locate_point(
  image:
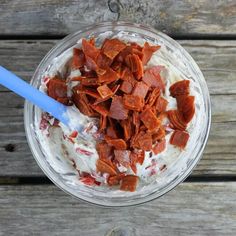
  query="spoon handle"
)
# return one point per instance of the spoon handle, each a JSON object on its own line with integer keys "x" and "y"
{"x": 27, "y": 91}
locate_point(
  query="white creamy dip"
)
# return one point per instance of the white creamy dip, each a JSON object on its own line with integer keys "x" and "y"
{"x": 69, "y": 158}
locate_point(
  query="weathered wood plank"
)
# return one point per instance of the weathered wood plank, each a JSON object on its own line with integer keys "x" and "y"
{"x": 218, "y": 158}
{"x": 63, "y": 17}
{"x": 217, "y": 60}
{"x": 190, "y": 209}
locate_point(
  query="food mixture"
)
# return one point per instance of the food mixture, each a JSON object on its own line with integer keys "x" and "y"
{"x": 139, "y": 112}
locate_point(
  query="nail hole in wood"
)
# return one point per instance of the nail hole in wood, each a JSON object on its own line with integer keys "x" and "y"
{"x": 10, "y": 147}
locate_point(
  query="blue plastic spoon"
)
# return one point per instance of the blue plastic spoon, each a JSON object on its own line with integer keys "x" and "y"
{"x": 46, "y": 103}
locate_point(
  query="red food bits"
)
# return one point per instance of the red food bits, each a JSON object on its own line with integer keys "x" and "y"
{"x": 104, "y": 150}
{"x": 180, "y": 88}
{"x": 161, "y": 104}
{"x": 104, "y": 91}
{"x": 126, "y": 87}
{"x": 108, "y": 77}
{"x": 104, "y": 167}
{"x": 89, "y": 49}
{"x": 150, "y": 120}
{"x": 179, "y": 138}
{"x": 112, "y": 47}
{"x": 123, "y": 157}
{"x": 148, "y": 51}
{"x": 132, "y": 102}
{"x": 119, "y": 144}
{"x": 117, "y": 109}
{"x": 153, "y": 78}
{"x": 177, "y": 120}
{"x": 57, "y": 88}
{"x": 140, "y": 89}
{"x": 78, "y": 59}
{"x": 129, "y": 183}
{"x": 159, "y": 147}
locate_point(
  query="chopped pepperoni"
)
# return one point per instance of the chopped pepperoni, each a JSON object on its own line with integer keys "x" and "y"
{"x": 177, "y": 120}
{"x": 112, "y": 47}
{"x": 179, "y": 138}
{"x": 78, "y": 59}
{"x": 127, "y": 128}
{"x": 180, "y": 88}
{"x": 132, "y": 102}
{"x": 101, "y": 109}
{"x": 88, "y": 81}
{"x": 104, "y": 91}
{"x": 115, "y": 180}
{"x": 160, "y": 134}
{"x": 129, "y": 183}
{"x": 57, "y": 88}
{"x": 161, "y": 104}
{"x": 103, "y": 61}
{"x": 89, "y": 49}
{"x": 150, "y": 120}
{"x": 108, "y": 77}
{"x": 148, "y": 51}
{"x": 123, "y": 157}
{"x": 134, "y": 63}
{"x": 154, "y": 95}
{"x": 140, "y": 89}
{"x": 104, "y": 150}
{"x": 153, "y": 78}
{"x": 144, "y": 141}
{"x": 117, "y": 109}
{"x": 119, "y": 144}
{"x": 126, "y": 87}
{"x": 186, "y": 106}
{"x": 104, "y": 167}
{"x": 159, "y": 147}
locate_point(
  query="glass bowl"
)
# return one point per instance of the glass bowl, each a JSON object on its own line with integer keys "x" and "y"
{"x": 179, "y": 170}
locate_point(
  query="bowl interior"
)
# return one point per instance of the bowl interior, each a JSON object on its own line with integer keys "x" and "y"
{"x": 178, "y": 170}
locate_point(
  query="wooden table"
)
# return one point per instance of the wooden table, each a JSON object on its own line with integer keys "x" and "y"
{"x": 205, "y": 204}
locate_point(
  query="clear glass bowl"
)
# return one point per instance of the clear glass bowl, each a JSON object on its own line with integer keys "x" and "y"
{"x": 177, "y": 172}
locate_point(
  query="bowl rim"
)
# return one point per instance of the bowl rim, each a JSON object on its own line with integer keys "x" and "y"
{"x": 154, "y": 195}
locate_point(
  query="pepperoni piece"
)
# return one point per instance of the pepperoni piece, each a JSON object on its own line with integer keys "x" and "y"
{"x": 140, "y": 89}
{"x": 111, "y": 132}
{"x": 177, "y": 119}
{"x": 85, "y": 90}
{"x": 134, "y": 63}
{"x": 123, "y": 157}
{"x": 78, "y": 59}
{"x": 115, "y": 180}
{"x": 108, "y": 77}
{"x": 179, "y": 138}
{"x": 112, "y": 47}
{"x": 138, "y": 156}
{"x": 186, "y": 106}
{"x": 101, "y": 109}
{"x": 119, "y": 144}
{"x": 144, "y": 141}
{"x": 148, "y": 51}
{"x": 103, "y": 61}
{"x": 160, "y": 134}
{"x": 82, "y": 103}
{"x": 117, "y": 109}
{"x": 153, "y": 78}
{"x": 102, "y": 123}
{"x": 161, "y": 104}
{"x": 127, "y": 128}
{"x": 154, "y": 95}
{"x": 150, "y": 120}
{"x": 104, "y": 167}
{"x": 129, "y": 183}
{"x": 180, "y": 88}
{"x": 132, "y": 102}
{"x": 159, "y": 147}
{"x": 104, "y": 150}
{"x": 57, "y": 88}
{"x": 89, "y": 49}
{"x": 104, "y": 91}
{"x": 126, "y": 87}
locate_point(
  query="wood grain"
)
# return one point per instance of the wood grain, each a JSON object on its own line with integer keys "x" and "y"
{"x": 217, "y": 59}
{"x": 190, "y": 209}
{"x": 178, "y": 18}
